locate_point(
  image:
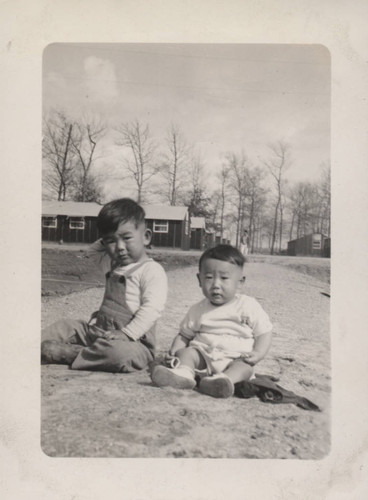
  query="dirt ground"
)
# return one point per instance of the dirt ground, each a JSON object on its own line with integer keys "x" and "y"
{"x": 89, "y": 414}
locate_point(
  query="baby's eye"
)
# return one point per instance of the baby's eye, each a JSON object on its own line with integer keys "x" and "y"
{"x": 108, "y": 241}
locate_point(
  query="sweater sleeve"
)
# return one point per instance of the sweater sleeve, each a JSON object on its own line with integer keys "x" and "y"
{"x": 153, "y": 289}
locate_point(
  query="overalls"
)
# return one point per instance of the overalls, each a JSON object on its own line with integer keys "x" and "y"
{"x": 98, "y": 353}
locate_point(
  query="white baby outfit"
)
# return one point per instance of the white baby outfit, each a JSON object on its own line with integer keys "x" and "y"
{"x": 224, "y": 333}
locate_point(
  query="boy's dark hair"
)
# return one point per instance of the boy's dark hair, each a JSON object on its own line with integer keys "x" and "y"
{"x": 117, "y": 211}
{"x": 227, "y": 253}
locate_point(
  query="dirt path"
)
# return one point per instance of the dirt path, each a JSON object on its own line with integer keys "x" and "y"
{"x": 115, "y": 415}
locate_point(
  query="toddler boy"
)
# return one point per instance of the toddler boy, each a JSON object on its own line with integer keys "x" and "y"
{"x": 122, "y": 339}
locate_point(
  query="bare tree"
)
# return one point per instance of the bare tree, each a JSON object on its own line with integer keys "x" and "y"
{"x": 308, "y": 211}
{"x": 239, "y": 185}
{"x": 140, "y": 165}
{"x": 223, "y": 177}
{"x": 58, "y": 153}
{"x": 84, "y": 143}
{"x": 196, "y": 197}
{"x": 295, "y": 206}
{"x": 175, "y": 163}
{"x": 255, "y": 202}
{"x": 325, "y": 198}
{"x": 277, "y": 166}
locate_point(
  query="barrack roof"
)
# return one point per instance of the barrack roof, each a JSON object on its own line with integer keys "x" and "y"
{"x": 70, "y": 208}
{"x": 91, "y": 209}
{"x": 165, "y": 212}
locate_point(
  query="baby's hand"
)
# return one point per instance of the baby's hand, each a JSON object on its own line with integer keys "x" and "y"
{"x": 251, "y": 358}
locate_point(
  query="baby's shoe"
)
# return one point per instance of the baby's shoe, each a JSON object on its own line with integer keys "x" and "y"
{"x": 179, "y": 378}
{"x": 59, "y": 352}
{"x": 217, "y": 386}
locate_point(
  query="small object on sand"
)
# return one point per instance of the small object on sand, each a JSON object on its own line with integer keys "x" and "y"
{"x": 173, "y": 363}
{"x": 266, "y": 389}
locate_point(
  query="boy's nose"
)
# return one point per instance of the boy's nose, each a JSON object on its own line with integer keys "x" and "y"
{"x": 120, "y": 245}
{"x": 216, "y": 284}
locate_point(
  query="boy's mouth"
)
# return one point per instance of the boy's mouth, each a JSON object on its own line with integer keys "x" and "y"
{"x": 122, "y": 258}
{"x": 216, "y": 296}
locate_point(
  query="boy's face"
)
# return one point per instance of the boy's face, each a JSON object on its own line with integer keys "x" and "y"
{"x": 220, "y": 280}
{"x": 126, "y": 244}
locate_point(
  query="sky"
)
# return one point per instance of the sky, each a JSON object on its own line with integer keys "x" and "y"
{"x": 223, "y": 97}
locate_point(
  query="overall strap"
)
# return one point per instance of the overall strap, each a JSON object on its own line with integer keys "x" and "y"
{"x": 134, "y": 268}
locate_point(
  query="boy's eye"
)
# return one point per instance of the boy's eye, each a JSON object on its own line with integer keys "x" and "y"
{"x": 108, "y": 241}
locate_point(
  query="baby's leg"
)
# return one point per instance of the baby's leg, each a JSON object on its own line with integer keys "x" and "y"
{"x": 238, "y": 371}
{"x": 181, "y": 377}
{"x": 221, "y": 385}
{"x": 191, "y": 357}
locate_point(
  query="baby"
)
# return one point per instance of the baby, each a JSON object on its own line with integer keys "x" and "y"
{"x": 223, "y": 336}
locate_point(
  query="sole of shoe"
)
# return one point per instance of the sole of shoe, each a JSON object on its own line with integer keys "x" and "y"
{"x": 166, "y": 377}
{"x": 217, "y": 388}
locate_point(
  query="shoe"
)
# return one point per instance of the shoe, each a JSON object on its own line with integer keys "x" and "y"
{"x": 179, "y": 378}
{"x": 217, "y": 386}
{"x": 59, "y": 352}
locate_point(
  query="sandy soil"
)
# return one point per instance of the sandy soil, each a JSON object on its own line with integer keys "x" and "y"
{"x": 115, "y": 415}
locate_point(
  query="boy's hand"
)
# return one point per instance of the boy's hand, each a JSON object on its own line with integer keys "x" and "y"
{"x": 252, "y": 358}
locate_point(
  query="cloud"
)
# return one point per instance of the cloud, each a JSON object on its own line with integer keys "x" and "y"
{"x": 100, "y": 79}
{"x": 54, "y": 90}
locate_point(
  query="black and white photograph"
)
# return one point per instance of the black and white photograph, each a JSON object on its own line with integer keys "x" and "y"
{"x": 226, "y": 148}
{"x": 183, "y": 268}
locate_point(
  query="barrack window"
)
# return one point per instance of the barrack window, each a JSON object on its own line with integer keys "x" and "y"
{"x": 49, "y": 222}
{"x": 76, "y": 223}
{"x": 161, "y": 226}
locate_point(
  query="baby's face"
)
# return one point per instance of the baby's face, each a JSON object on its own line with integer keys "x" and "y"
{"x": 127, "y": 244}
{"x": 220, "y": 280}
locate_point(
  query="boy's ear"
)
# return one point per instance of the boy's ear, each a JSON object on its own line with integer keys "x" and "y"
{"x": 199, "y": 280}
{"x": 147, "y": 236}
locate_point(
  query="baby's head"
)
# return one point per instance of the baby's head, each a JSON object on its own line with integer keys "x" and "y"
{"x": 122, "y": 227}
{"x": 221, "y": 273}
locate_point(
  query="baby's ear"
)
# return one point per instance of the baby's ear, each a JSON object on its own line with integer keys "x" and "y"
{"x": 147, "y": 236}
{"x": 199, "y": 280}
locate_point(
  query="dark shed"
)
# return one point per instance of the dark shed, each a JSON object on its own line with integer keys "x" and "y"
{"x": 197, "y": 233}
{"x": 170, "y": 226}
{"x": 310, "y": 244}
